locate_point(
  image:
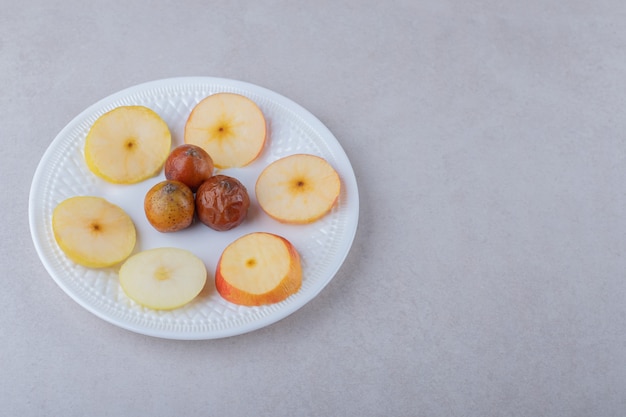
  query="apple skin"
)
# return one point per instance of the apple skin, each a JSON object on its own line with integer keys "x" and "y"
{"x": 290, "y": 284}
{"x": 189, "y": 164}
{"x": 169, "y": 206}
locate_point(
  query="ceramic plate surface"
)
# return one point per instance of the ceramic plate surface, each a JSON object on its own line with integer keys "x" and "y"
{"x": 323, "y": 245}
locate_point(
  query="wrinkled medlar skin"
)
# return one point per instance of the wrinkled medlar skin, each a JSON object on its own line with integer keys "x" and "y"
{"x": 222, "y": 202}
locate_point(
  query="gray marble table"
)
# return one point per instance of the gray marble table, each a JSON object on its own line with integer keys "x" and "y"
{"x": 487, "y": 276}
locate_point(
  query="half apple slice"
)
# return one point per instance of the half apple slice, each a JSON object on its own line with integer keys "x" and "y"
{"x": 127, "y": 145}
{"x": 163, "y": 278}
{"x": 92, "y": 231}
{"x": 258, "y": 268}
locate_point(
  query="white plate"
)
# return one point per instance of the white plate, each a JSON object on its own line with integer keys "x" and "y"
{"x": 323, "y": 245}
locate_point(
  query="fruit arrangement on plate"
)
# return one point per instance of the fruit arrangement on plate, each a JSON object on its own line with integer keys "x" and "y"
{"x": 131, "y": 144}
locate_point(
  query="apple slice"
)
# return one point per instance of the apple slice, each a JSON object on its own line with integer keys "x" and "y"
{"x": 229, "y": 127}
{"x": 92, "y": 231}
{"x": 163, "y": 278}
{"x": 127, "y": 145}
{"x": 298, "y": 189}
{"x": 258, "y": 268}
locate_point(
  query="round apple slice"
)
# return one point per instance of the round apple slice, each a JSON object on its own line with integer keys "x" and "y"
{"x": 127, "y": 145}
{"x": 258, "y": 268}
{"x": 298, "y": 189}
{"x": 229, "y": 127}
{"x": 163, "y": 278}
{"x": 93, "y": 232}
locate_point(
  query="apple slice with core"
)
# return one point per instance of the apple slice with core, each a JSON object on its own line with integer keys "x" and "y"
{"x": 92, "y": 231}
{"x": 127, "y": 145}
{"x": 298, "y": 189}
{"x": 258, "y": 268}
{"x": 229, "y": 127}
{"x": 163, "y": 278}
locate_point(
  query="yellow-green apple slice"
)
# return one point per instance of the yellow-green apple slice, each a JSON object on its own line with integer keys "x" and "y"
{"x": 229, "y": 127}
{"x": 298, "y": 189}
{"x": 258, "y": 268}
{"x": 92, "y": 231}
{"x": 163, "y": 278}
{"x": 127, "y": 145}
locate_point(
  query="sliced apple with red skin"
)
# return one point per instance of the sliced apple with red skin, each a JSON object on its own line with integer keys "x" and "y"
{"x": 163, "y": 278}
{"x": 229, "y": 127}
{"x": 257, "y": 269}
{"x": 92, "y": 231}
{"x": 127, "y": 145}
{"x": 298, "y": 189}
